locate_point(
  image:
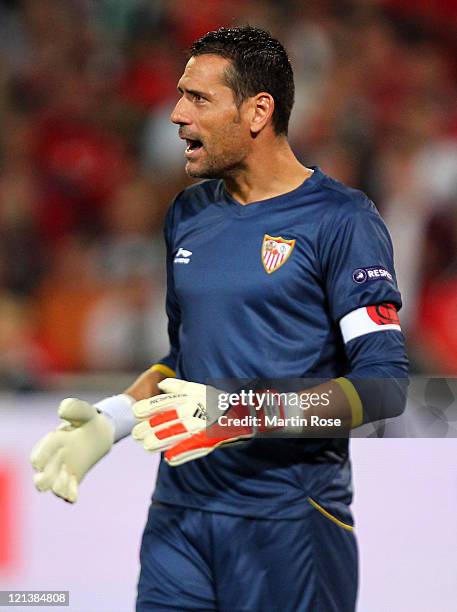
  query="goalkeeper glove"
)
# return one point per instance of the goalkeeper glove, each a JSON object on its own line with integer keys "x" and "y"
{"x": 172, "y": 416}
{"x": 177, "y": 422}
{"x": 63, "y": 457}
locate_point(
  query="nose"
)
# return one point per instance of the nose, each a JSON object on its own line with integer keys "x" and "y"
{"x": 179, "y": 114}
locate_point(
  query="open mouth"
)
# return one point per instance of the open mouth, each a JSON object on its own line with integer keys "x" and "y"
{"x": 193, "y": 145}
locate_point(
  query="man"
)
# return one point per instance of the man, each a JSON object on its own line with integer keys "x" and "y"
{"x": 275, "y": 271}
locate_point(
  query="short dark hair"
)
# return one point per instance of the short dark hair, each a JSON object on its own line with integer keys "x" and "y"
{"x": 259, "y": 62}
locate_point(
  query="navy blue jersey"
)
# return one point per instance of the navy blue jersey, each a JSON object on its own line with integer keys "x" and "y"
{"x": 258, "y": 291}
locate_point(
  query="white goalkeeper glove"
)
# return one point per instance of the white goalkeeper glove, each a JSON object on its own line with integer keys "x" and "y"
{"x": 63, "y": 457}
{"x": 177, "y": 422}
{"x": 172, "y": 416}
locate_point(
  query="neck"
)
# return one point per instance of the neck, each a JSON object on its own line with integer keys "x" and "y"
{"x": 268, "y": 172}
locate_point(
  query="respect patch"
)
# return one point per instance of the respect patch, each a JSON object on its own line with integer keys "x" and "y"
{"x": 373, "y": 273}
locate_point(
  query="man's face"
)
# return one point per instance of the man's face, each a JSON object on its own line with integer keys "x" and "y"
{"x": 215, "y": 129}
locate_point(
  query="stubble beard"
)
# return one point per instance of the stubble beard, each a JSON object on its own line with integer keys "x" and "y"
{"x": 216, "y": 168}
{"x": 227, "y": 163}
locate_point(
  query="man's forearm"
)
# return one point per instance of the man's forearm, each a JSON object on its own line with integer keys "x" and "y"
{"x": 145, "y": 385}
{"x": 332, "y": 406}
{"x": 118, "y": 408}
{"x": 336, "y": 406}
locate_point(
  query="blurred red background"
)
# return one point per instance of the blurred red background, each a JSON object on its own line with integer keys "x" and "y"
{"x": 89, "y": 162}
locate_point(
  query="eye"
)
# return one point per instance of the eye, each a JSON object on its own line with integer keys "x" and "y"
{"x": 197, "y": 98}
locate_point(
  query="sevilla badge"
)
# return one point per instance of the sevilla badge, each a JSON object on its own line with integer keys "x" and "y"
{"x": 275, "y": 252}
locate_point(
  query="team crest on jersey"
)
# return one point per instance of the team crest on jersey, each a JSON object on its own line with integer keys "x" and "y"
{"x": 275, "y": 252}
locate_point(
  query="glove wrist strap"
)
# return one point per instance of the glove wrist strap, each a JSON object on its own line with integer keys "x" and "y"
{"x": 118, "y": 409}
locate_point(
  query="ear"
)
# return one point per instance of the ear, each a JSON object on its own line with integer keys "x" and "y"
{"x": 262, "y": 108}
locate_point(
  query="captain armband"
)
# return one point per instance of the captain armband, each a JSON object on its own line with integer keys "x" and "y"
{"x": 368, "y": 320}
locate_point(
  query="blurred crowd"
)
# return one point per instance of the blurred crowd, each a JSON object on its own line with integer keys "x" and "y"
{"x": 89, "y": 161}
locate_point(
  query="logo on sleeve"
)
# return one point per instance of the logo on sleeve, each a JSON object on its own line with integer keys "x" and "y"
{"x": 363, "y": 275}
{"x": 182, "y": 256}
{"x": 275, "y": 252}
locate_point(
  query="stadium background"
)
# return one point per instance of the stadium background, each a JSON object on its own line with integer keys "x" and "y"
{"x": 88, "y": 164}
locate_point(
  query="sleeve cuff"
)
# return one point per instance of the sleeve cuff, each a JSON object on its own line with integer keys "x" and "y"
{"x": 118, "y": 409}
{"x": 354, "y": 400}
{"x": 163, "y": 369}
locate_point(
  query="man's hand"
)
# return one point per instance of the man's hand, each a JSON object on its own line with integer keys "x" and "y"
{"x": 172, "y": 416}
{"x": 63, "y": 457}
{"x": 177, "y": 422}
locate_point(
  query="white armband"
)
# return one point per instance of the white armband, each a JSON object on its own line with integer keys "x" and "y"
{"x": 369, "y": 319}
{"x": 118, "y": 409}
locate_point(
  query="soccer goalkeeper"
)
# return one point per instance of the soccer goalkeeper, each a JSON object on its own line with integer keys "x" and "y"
{"x": 274, "y": 271}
